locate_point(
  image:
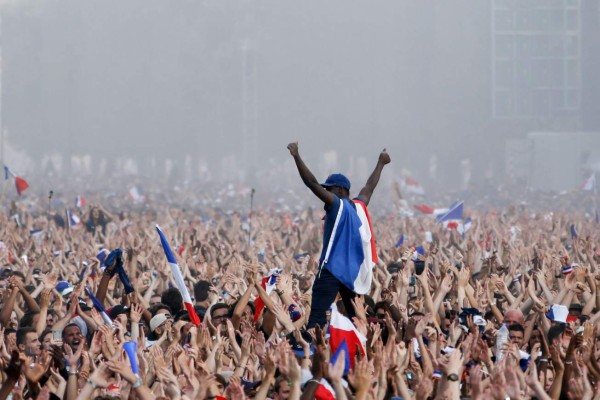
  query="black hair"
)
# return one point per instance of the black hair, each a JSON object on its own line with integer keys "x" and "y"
{"x": 219, "y": 306}
{"x": 201, "y": 290}
{"x": 555, "y": 332}
{"x": 157, "y": 307}
{"x": 172, "y": 297}
{"x": 22, "y": 334}
{"x": 27, "y": 319}
{"x": 516, "y": 327}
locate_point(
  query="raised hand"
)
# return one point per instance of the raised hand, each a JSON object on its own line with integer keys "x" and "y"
{"x": 293, "y": 148}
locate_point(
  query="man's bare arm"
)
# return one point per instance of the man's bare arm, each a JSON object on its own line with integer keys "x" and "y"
{"x": 367, "y": 191}
{"x": 308, "y": 177}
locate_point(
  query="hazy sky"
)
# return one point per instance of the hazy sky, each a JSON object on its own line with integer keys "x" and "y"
{"x": 209, "y": 79}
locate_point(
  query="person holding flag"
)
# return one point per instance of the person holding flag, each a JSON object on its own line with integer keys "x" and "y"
{"x": 348, "y": 254}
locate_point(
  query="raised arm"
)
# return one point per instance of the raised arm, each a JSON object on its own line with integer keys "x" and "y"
{"x": 308, "y": 177}
{"x": 367, "y": 190}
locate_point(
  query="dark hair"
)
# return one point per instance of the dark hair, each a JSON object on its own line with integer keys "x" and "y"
{"x": 157, "y": 307}
{"x": 172, "y": 297}
{"x": 27, "y": 319}
{"x": 555, "y": 332}
{"x": 68, "y": 326}
{"x": 19, "y": 274}
{"x": 516, "y": 327}
{"x": 22, "y": 334}
{"x": 219, "y": 306}
{"x": 201, "y": 290}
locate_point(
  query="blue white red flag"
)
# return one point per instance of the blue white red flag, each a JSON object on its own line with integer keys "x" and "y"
{"x": 99, "y": 307}
{"x": 20, "y": 183}
{"x": 269, "y": 283}
{"x": 341, "y": 330}
{"x": 178, "y": 278}
{"x": 453, "y": 217}
{"x": 412, "y": 186}
{"x": 350, "y": 251}
{"x": 325, "y": 391}
{"x": 464, "y": 227}
{"x": 342, "y": 351}
{"x": 80, "y": 201}
{"x": 425, "y": 209}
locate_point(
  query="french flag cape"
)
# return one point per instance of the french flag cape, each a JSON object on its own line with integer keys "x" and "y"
{"x": 351, "y": 254}
{"x": 269, "y": 283}
{"x": 178, "y": 277}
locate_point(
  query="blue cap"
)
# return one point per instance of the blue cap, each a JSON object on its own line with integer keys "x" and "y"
{"x": 63, "y": 288}
{"x": 338, "y": 180}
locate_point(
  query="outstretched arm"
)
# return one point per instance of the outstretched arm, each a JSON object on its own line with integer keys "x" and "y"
{"x": 308, "y": 178}
{"x": 367, "y": 191}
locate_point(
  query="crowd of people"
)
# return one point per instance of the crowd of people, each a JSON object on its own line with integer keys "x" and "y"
{"x": 506, "y": 309}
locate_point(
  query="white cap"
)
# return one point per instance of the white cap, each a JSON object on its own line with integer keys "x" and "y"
{"x": 157, "y": 321}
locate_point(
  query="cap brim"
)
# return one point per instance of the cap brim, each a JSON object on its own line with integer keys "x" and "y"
{"x": 66, "y": 291}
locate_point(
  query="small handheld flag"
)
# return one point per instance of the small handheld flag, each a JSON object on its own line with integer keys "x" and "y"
{"x": 178, "y": 277}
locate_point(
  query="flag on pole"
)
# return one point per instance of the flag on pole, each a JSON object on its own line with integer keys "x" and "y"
{"x": 454, "y": 217}
{"x": 99, "y": 307}
{"x": 413, "y": 186}
{"x": 80, "y": 201}
{"x": 178, "y": 278}
{"x": 20, "y": 183}
{"x": 425, "y": 209}
{"x": 589, "y": 185}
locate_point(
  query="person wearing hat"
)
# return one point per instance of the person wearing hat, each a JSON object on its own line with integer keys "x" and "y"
{"x": 159, "y": 325}
{"x": 341, "y": 219}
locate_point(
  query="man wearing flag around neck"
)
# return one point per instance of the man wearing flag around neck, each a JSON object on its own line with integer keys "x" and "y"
{"x": 349, "y": 254}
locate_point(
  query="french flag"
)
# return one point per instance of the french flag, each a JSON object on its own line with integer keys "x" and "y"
{"x": 464, "y": 227}
{"x": 350, "y": 252}
{"x": 414, "y": 187}
{"x": 269, "y": 284}
{"x": 99, "y": 307}
{"x": 72, "y": 219}
{"x": 425, "y": 209}
{"x": 324, "y": 391}
{"x": 342, "y": 332}
{"x": 20, "y": 183}
{"x": 178, "y": 278}
{"x": 80, "y": 201}
{"x": 589, "y": 185}
{"x": 453, "y": 218}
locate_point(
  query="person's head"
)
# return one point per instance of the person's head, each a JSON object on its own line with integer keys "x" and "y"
{"x": 380, "y": 309}
{"x": 516, "y": 333}
{"x": 159, "y": 323}
{"x": 337, "y": 184}
{"x": 219, "y": 384}
{"x": 219, "y": 314}
{"x": 555, "y": 334}
{"x": 51, "y": 318}
{"x": 282, "y": 388}
{"x": 512, "y": 317}
{"x": 28, "y": 341}
{"x": 201, "y": 290}
{"x": 155, "y": 299}
{"x": 546, "y": 377}
{"x": 30, "y": 318}
{"x": 160, "y": 308}
{"x": 172, "y": 297}
{"x": 72, "y": 335}
{"x": 46, "y": 339}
